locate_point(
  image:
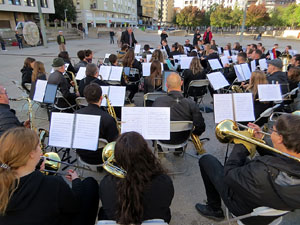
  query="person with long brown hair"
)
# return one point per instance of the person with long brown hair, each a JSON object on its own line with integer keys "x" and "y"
{"x": 27, "y": 72}
{"x": 38, "y": 73}
{"x": 29, "y": 197}
{"x": 154, "y": 81}
{"x": 145, "y": 193}
{"x": 159, "y": 56}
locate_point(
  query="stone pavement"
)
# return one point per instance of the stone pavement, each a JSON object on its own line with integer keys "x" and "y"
{"x": 189, "y": 187}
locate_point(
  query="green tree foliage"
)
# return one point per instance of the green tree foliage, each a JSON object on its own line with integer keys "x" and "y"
{"x": 257, "y": 15}
{"x": 190, "y": 16}
{"x": 289, "y": 15}
{"x": 210, "y": 10}
{"x": 276, "y": 17}
{"x": 60, "y": 6}
{"x": 236, "y": 16}
{"x": 221, "y": 17}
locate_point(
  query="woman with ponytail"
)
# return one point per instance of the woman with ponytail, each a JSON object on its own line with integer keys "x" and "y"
{"x": 28, "y": 197}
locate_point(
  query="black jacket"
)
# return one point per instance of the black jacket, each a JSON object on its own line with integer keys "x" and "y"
{"x": 8, "y": 118}
{"x": 26, "y": 76}
{"x": 163, "y": 37}
{"x": 126, "y": 40}
{"x": 33, "y": 84}
{"x": 87, "y": 80}
{"x": 58, "y": 39}
{"x": 107, "y": 130}
{"x": 41, "y": 199}
{"x": 189, "y": 76}
{"x": 171, "y": 54}
{"x": 196, "y": 38}
{"x": 268, "y": 180}
{"x": 80, "y": 64}
{"x": 182, "y": 109}
{"x": 281, "y": 78}
{"x": 167, "y": 48}
{"x": 157, "y": 198}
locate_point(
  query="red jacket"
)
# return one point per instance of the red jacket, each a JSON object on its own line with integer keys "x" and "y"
{"x": 205, "y": 34}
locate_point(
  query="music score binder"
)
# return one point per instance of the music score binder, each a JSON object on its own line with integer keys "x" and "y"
{"x": 79, "y": 131}
{"x": 112, "y": 73}
{"x": 44, "y": 92}
{"x": 242, "y": 72}
{"x": 116, "y": 95}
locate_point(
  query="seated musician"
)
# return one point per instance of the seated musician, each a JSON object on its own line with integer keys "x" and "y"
{"x": 165, "y": 46}
{"x": 158, "y": 55}
{"x": 153, "y": 82}
{"x": 182, "y": 109}
{"x": 65, "y": 56}
{"x": 295, "y": 61}
{"x": 83, "y": 62}
{"x": 92, "y": 74}
{"x": 276, "y": 76}
{"x": 270, "y": 180}
{"x": 27, "y": 72}
{"x": 29, "y": 197}
{"x": 174, "y": 50}
{"x": 146, "y": 51}
{"x": 229, "y": 72}
{"x": 113, "y": 59}
{"x": 123, "y": 51}
{"x": 145, "y": 193}
{"x": 8, "y": 117}
{"x": 38, "y": 73}
{"x": 89, "y": 55}
{"x": 256, "y": 55}
{"x": 58, "y": 78}
{"x": 108, "y": 128}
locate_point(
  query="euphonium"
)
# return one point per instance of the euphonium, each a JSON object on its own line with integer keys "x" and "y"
{"x": 198, "y": 145}
{"x": 109, "y": 161}
{"x": 227, "y": 131}
{"x": 111, "y": 111}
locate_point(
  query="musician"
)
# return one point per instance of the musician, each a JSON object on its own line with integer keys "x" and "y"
{"x": 29, "y": 197}
{"x": 108, "y": 127}
{"x": 92, "y": 74}
{"x": 165, "y": 47}
{"x": 197, "y": 37}
{"x": 295, "y": 61}
{"x": 89, "y": 55}
{"x": 128, "y": 38}
{"x": 58, "y": 78}
{"x": 213, "y": 45}
{"x": 113, "y": 60}
{"x": 65, "y": 56}
{"x": 275, "y": 74}
{"x": 158, "y": 55}
{"x": 270, "y": 180}
{"x": 275, "y": 52}
{"x": 8, "y": 117}
{"x": 123, "y": 51}
{"x": 38, "y": 73}
{"x": 83, "y": 62}
{"x": 256, "y": 55}
{"x": 146, "y": 51}
{"x": 182, "y": 109}
{"x": 188, "y": 46}
{"x": 237, "y": 47}
{"x": 27, "y": 72}
{"x": 174, "y": 50}
{"x": 145, "y": 193}
{"x": 154, "y": 81}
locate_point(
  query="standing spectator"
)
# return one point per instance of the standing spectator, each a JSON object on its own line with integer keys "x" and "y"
{"x": 61, "y": 41}
{"x": 118, "y": 35}
{"x": 163, "y": 36}
{"x": 128, "y": 38}
{"x": 197, "y": 37}
{"x": 207, "y": 36}
{"x": 19, "y": 39}
{"x": 111, "y": 35}
{"x": 2, "y": 42}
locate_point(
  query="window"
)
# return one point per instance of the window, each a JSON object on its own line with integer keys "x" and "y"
{"x": 14, "y": 2}
{"x": 44, "y": 3}
{"x": 29, "y": 2}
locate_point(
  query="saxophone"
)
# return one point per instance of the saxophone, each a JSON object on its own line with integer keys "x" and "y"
{"x": 112, "y": 112}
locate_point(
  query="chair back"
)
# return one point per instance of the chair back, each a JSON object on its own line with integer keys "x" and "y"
{"x": 197, "y": 88}
{"x": 179, "y": 126}
{"x": 81, "y": 101}
{"x": 151, "y": 96}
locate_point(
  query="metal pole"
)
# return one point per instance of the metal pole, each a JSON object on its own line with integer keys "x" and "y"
{"x": 244, "y": 21}
{"x": 42, "y": 24}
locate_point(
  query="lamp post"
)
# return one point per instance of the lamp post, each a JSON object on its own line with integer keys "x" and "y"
{"x": 42, "y": 24}
{"x": 244, "y": 20}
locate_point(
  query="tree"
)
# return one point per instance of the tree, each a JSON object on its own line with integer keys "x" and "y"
{"x": 276, "y": 17}
{"x": 160, "y": 15}
{"x": 60, "y": 6}
{"x": 289, "y": 14}
{"x": 190, "y": 16}
{"x": 236, "y": 16}
{"x": 257, "y": 15}
{"x": 207, "y": 14}
{"x": 221, "y": 17}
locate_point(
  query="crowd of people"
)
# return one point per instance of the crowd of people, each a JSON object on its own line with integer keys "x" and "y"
{"x": 146, "y": 191}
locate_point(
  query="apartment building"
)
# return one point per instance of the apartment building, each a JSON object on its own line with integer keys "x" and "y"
{"x": 150, "y": 11}
{"x": 167, "y": 11}
{"x": 14, "y": 11}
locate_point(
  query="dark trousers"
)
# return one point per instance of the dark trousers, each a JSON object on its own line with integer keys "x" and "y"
{"x": 112, "y": 41}
{"x": 3, "y": 46}
{"x": 133, "y": 89}
{"x": 89, "y": 203}
{"x": 20, "y": 44}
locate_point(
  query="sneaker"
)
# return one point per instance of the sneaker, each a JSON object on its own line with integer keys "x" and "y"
{"x": 207, "y": 211}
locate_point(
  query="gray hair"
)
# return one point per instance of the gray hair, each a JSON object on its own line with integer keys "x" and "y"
{"x": 91, "y": 70}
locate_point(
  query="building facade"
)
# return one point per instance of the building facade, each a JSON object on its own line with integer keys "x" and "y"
{"x": 167, "y": 11}
{"x": 150, "y": 11}
{"x": 14, "y": 11}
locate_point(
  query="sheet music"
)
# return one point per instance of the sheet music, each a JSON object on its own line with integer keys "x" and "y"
{"x": 151, "y": 123}
{"x": 226, "y": 53}
{"x": 243, "y": 107}
{"x": 146, "y": 69}
{"x": 253, "y": 65}
{"x": 107, "y": 55}
{"x": 138, "y": 57}
{"x": 86, "y": 135}
{"x": 81, "y": 73}
{"x": 66, "y": 65}
{"x": 105, "y": 72}
{"x": 148, "y": 57}
{"x": 239, "y": 73}
{"x": 263, "y": 64}
{"x": 117, "y": 95}
{"x": 246, "y": 71}
{"x": 223, "y": 107}
{"x": 185, "y": 62}
{"x": 186, "y": 50}
{"x": 137, "y": 49}
{"x": 234, "y": 58}
{"x": 220, "y": 50}
{"x": 234, "y": 52}
{"x": 61, "y": 128}
{"x": 177, "y": 57}
{"x": 224, "y": 60}
{"x": 271, "y": 54}
{"x": 152, "y": 50}
{"x": 162, "y": 67}
{"x": 105, "y": 90}
{"x": 116, "y": 73}
{"x": 269, "y": 92}
{"x": 215, "y": 64}
{"x": 217, "y": 80}
{"x": 39, "y": 91}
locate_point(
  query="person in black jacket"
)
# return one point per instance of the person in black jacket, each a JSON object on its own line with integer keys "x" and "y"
{"x": 108, "y": 128}
{"x": 92, "y": 74}
{"x": 19, "y": 39}
{"x": 145, "y": 193}
{"x": 65, "y": 56}
{"x": 270, "y": 180}
{"x": 8, "y": 117}
{"x": 163, "y": 36}
{"x": 182, "y": 109}
{"x": 197, "y": 37}
{"x": 276, "y": 76}
{"x": 83, "y": 62}
{"x": 27, "y": 72}
{"x": 128, "y": 38}
{"x": 30, "y": 197}
{"x": 165, "y": 46}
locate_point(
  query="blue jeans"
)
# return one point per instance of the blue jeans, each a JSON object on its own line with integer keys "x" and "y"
{"x": 3, "y": 46}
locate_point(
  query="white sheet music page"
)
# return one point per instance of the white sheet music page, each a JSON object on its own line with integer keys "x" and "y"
{"x": 157, "y": 123}
{"x": 226, "y": 53}
{"x": 105, "y": 90}
{"x": 105, "y": 72}
{"x": 107, "y": 55}
{"x": 263, "y": 64}
{"x": 243, "y": 107}
{"x": 215, "y": 64}
{"x": 239, "y": 73}
{"x": 81, "y": 73}
{"x": 148, "y": 57}
{"x": 269, "y": 92}
{"x": 185, "y": 62}
{"x": 116, "y": 73}
{"x": 271, "y": 54}
{"x": 234, "y": 58}
{"x": 66, "y": 65}
{"x": 86, "y": 135}
{"x": 246, "y": 71}
{"x": 133, "y": 119}
{"x": 116, "y": 95}
{"x": 217, "y": 80}
{"x": 253, "y": 65}
{"x": 223, "y": 107}
{"x": 219, "y": 50}
{"x": 137, "y": 49}
{"x": 224, "y": 60}
{"x": 40, "y": 89}
{"x": 61, "y": 129}
{"x": 138, "y": 57}
{"x": 146, "y": 69}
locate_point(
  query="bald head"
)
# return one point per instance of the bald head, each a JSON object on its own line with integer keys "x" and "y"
{"x": 3, "y": 96}
{"x": 174, "y": 82}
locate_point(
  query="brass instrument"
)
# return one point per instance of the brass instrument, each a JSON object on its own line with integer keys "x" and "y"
{"x": 198, "y": 145}
{"x": 227, "y": 131}
{"x": 112, "y": 112}
{"x": 109, "y": 161}
{"x": 74, "y": 81}
{"x": 237, "y": 89}
{"x": 285, "y": 58}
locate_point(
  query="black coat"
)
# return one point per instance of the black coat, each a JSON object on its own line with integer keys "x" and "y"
{"x": 87, "y": 80}
{"x": 281, "y": 78}
{"x": 196, "y": 38}
{"x": 8, "y": 118}
{"x": 126, "y": 40}
{"x": 189, "y": 76}
{"x": 163, "y": 36}
{"x": 26, "y": 76}
{"x": 107, "y": 130}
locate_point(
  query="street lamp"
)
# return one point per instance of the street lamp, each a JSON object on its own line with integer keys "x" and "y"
{"x": 66, "y": 15}
{"x": 244, "y": 20}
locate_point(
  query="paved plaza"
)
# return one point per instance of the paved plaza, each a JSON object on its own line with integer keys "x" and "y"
{"x": 189, "y": 188}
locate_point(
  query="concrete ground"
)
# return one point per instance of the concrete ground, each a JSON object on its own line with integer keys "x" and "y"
{"x": 189, "y": 187}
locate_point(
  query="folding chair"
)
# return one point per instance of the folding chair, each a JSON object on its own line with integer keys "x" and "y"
{"x": 151, "y": 96}
{"x": 197, "y": 89}
{"x": 81, "y": 102}
{"x": 152, "y": 222}
{"x": 59, "y": 97}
